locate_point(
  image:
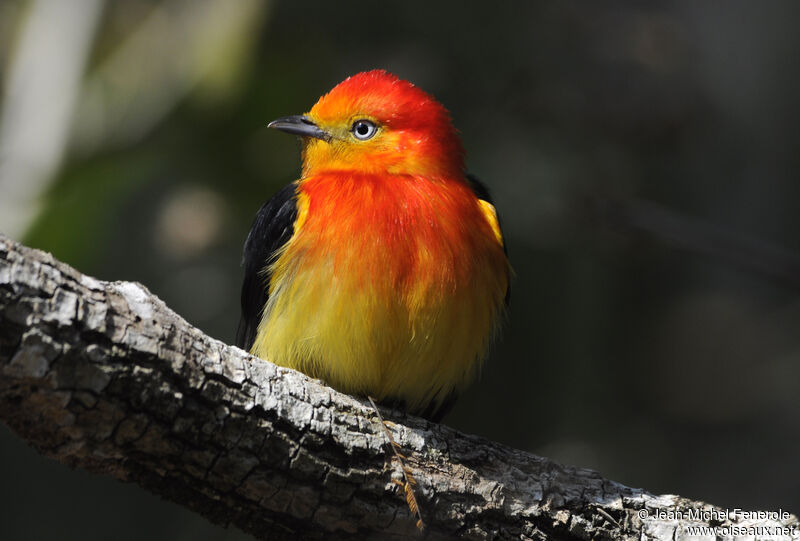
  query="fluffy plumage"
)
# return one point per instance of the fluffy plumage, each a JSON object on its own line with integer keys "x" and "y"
{"x": 382, "y": 271}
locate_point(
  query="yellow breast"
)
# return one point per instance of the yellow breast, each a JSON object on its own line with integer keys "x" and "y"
{"x": 389, "y": 287}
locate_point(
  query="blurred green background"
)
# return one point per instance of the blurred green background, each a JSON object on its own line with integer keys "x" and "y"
{"x": 645, "y": 159}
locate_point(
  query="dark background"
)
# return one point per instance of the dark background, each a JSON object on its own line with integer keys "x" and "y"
{"x": 644, "y": 159}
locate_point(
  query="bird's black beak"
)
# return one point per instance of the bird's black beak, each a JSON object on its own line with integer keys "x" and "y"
{"x": 300, "y": 125}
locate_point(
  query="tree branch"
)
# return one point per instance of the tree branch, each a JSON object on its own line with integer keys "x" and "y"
{"x": 103, "y": 375}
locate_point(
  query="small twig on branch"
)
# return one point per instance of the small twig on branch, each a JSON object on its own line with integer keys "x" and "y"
{"x": 104, "y": 376}
{"x": 408, "y": 483}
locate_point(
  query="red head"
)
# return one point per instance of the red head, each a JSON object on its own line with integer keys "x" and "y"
{"x": 374, "y": 122}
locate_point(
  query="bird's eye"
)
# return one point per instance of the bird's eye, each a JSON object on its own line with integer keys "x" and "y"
{"x": 364, "y": 129}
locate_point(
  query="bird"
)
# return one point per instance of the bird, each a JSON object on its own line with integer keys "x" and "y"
{"x": 383, "y": 269}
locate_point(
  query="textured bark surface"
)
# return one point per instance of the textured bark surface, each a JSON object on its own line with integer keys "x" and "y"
{"x": 105, "y": 376}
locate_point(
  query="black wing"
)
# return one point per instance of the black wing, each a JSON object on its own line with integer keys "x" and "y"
{"x": 272, "y": 228}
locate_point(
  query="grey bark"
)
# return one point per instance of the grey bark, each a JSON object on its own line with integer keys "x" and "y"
{"x": 103, "y": 375}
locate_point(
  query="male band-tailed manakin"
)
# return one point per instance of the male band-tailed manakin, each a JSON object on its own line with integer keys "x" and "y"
{"x": 382, "y": 270}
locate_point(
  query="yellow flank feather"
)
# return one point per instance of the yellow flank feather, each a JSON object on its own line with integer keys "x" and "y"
{"x": 491, "y": 216}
